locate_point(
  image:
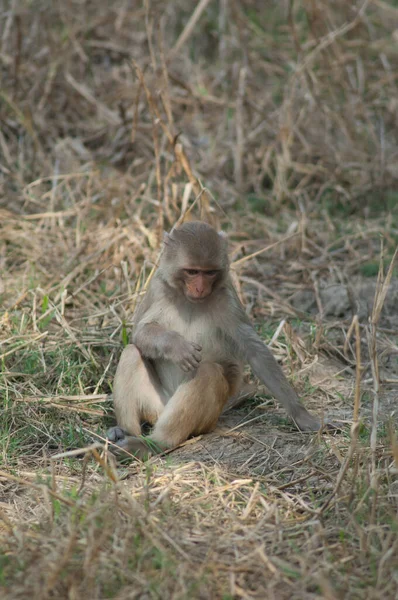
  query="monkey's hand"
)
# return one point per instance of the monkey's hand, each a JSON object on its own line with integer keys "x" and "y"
{"x": 187, "y": 355}
{"x": 304, "y": 420}
{"x": 156, "y": 342}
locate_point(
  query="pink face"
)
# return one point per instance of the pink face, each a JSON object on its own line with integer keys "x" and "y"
{"x": 198, "y": 283}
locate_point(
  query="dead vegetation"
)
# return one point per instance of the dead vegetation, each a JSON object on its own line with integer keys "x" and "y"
{"x": 277, "y": 120}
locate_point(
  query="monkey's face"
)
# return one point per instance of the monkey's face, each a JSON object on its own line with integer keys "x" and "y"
{"x": 198, "y": 283}
{"x": 195, "y": 261}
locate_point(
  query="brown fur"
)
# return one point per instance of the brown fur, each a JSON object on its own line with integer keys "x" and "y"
{"x": 190, "y": 342}
{"x": 138, "y": 398}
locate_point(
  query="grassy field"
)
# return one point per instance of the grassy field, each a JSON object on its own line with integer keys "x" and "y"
{"x": 276, "y": 121}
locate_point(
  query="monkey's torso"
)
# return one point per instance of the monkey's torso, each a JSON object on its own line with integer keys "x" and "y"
{"x": 195, "y": 322}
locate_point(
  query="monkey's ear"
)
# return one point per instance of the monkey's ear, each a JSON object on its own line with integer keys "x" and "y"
{"x": 223, "y": 235}
{"x": 168, "y": 238}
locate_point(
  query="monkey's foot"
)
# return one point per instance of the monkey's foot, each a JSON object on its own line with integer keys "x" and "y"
{"x": 131, "y": 445}
{"x": 247, "y": 391}
{"x": 125, "y": 444}
{"x": 114, "y": 434}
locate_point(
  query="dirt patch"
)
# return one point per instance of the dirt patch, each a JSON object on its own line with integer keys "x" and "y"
{"x": 343, "y": 301}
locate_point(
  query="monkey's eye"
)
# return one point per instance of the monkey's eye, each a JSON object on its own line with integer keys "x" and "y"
{"x": 191, "y": 272}
{"x": 212, "y": 273}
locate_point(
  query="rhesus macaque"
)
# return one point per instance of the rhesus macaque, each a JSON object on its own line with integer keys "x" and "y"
{"x": 191, "y": 340}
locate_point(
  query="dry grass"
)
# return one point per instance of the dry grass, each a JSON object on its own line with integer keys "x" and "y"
{"x": 278, "y": 121}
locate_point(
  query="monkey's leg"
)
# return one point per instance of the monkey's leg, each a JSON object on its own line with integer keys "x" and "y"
{"x": 137, "y": 394}
{"x": 194, "y": 408}
{"x": 233, "y": 373}
{"x": 248, "y": 390}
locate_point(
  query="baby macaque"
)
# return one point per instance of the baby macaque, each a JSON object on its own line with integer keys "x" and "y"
{"x": 191, "y": 340}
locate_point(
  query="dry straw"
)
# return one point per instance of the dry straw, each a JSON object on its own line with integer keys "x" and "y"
{"x": 277, "y": 122}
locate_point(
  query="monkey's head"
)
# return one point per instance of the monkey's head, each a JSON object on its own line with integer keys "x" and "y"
{"x": 195, "y": 260}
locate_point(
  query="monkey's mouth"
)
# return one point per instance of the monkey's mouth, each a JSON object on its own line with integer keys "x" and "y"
{"x": 195, "y": 299}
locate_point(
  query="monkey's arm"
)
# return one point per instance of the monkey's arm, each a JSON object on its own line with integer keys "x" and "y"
{"x": 152, "y": 340}
{"x": 265, "y": 367}
{"x": 156, "y": 342}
